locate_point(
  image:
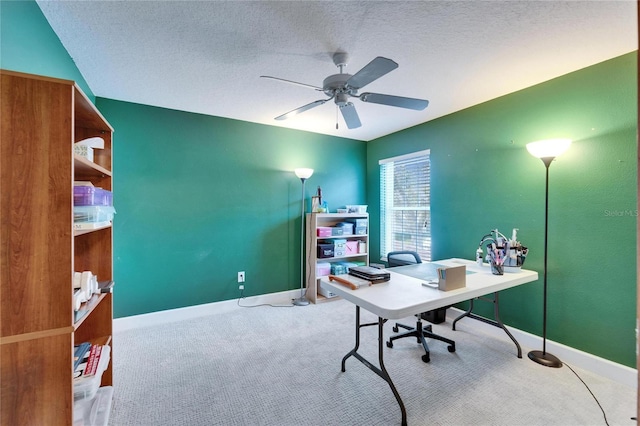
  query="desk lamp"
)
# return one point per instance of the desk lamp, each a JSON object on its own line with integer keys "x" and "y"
{"x": 546, "y": 150}
{"x": 303, "y": 174}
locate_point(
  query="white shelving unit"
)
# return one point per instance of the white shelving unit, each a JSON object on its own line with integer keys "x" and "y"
{"x": 313, "y": 222}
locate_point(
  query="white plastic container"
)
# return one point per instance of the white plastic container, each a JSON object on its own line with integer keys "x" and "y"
{"x": 357, "y": 208}
{"x": 93, "y": 213}
{"x": 94, "y": 411}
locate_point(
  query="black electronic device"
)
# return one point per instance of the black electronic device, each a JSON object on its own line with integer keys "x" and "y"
{"x": 369, "y": 273}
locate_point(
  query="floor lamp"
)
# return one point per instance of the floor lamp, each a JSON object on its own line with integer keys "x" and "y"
{"x": 303, "y": 174}
{"x": 546, "y": 150}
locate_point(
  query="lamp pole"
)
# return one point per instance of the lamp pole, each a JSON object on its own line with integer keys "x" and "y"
{"x": 547, "y": 151}
{"x": 303, "y": 174}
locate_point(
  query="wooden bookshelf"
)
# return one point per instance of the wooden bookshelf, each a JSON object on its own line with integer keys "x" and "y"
{"x": 41, "y": 118}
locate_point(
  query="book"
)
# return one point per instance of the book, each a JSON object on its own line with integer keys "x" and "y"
{"x": 82, "y": 365}
{"x": 79, "y": 352}
{"x": 92, "y": 362}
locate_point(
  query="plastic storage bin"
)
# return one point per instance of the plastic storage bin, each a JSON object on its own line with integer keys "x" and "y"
{"x": 339, "y": 247}
{"x": 323, "y": 231}
{"x": 338, "y": 268}
{"x": 325, "y": 250}
{"x": 347, "y": 228}
{"x": 336, "y": 231}
{"x": 323, "y": 269}
{"x": 352, "y": 247}
{"x": 95, "y": 411}
{"x": 91, "y": 196}
{"x": 93, "y": 214}
{"x": 362, "y": 208}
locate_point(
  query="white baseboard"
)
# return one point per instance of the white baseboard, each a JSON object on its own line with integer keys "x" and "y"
{"x": 190, "y": 312}
{"x": 576, "y": 358}
{"x": 600, "y": 366}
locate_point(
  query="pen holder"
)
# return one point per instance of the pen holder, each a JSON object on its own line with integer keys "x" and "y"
{"x": 496, "y": 269}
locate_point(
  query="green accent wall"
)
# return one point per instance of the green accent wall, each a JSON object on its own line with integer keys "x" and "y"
{"x": 29, "y": 45}
{"x": 483, "y": 178}
{"x": 200, "y": 198}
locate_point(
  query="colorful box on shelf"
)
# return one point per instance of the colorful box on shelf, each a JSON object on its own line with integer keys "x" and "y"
{"x": 338, "y": 268}
{"x": 361, "y": 230}
{"x": 347, "y": 228}
{"x": 323, "y": 231}
{"x": 323, "y": 268}
{"x": 350, "y": 265}
{"x": 91, "y": 196}
{"x": 336, "y": 231}
{"x": 340, "y": 243}
{"x": 339, "y": 247}
{"x": 359, "y": 225}
{"x": 352, "y": 247}
{"x": 325, "y": 250}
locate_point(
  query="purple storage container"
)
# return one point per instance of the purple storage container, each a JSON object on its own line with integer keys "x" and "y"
{"x": 91, "y": 196}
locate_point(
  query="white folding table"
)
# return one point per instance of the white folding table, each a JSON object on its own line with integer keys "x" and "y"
{"x": 404, "y": 295}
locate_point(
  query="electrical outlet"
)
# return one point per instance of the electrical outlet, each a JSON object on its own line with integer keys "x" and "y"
{"x": 241, "y": 287}
{"x": 241, "y": 276}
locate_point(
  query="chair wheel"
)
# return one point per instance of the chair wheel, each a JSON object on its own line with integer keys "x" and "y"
{"x": 451, "y": 348}
{"x": 389, "y": 344}
{"x": 395, "y": 328}
{"x": 426, "y": 358}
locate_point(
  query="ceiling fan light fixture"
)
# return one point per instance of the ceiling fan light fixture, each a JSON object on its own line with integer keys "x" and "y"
{"x": 342, "y": 99}
{"x": 343, "y": 86}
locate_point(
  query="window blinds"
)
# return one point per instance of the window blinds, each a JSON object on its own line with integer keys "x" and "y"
{"x": 405, "y": 215}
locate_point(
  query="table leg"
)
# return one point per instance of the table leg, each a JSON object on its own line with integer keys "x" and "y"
{"x": 497, "y": 323}
{"x": 355, "y": 349}
{"x": 382, "y": 371}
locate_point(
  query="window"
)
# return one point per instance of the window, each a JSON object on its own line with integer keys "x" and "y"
{"x": 405, "y": 204}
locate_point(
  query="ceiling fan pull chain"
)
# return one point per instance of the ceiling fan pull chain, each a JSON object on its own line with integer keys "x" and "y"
{"x": 336, "y": 116}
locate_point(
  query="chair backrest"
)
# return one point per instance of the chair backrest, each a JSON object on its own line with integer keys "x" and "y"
{"x": 403, "y": 257}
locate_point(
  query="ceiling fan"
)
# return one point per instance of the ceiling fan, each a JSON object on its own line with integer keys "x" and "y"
{"x": 340, "y": 87}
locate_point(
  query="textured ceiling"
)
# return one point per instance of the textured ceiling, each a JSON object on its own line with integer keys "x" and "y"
{"x": 208, "y": 56}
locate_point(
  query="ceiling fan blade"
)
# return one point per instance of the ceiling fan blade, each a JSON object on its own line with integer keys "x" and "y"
{"x": 396, "y": 101}
{"x": 350, "y": 115}
{"x": 372, "y": 71}
{"x": 302, "y": 109}
{"x": 293, "y": 82}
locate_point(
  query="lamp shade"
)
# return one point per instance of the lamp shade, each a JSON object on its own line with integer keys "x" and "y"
{"x": 549, "y": 148}
{"x": 304, "y": 173}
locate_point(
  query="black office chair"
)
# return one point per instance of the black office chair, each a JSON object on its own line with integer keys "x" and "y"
{"x": 401, "y": 258}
